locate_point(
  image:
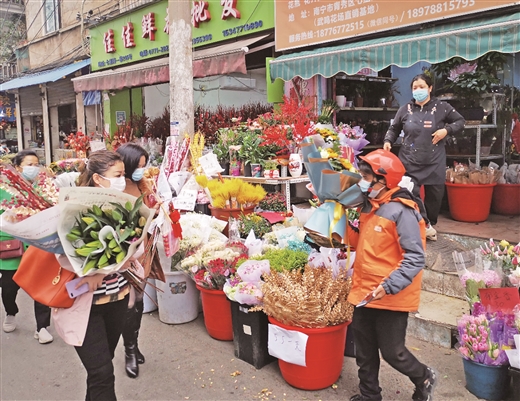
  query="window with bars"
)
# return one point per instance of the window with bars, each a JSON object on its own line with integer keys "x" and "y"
{"x": 51, "y": 15}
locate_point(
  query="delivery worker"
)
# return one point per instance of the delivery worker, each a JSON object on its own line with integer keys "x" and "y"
{"x": 386, "y": 283}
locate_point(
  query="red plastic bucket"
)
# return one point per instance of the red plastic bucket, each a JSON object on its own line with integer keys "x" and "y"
{"x": 323, "y": 357}
{"x": 217, "y": 314}
{"x": 470, "y": 203}
{"x": 506, "y": 199}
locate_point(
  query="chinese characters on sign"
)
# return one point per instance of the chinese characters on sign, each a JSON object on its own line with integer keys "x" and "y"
{"x": 200, "y": 13}
{"x": 229, "y": 8}
{"x": 108, "y": 40}
{"x": 128, "y": 35}
{"x": 148, "y": 26}
{"x": 287, "y": 345}
{"x": 305, "y": 22}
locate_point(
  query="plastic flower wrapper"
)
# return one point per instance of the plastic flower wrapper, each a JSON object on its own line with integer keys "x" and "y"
{"x": 336, "y": 191}
{"x": 246, "y": 287}
{"x": 484, "y": 337}
{"x": 332, "y": 258}
{"x": 474, "y": 275}
{"x": 353, "y": 137}
{"x": 506, "y": 255}
{"x": 31, "y": 215}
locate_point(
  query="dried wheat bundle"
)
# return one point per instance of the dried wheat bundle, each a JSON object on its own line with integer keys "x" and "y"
{"x": 314, "y": 298}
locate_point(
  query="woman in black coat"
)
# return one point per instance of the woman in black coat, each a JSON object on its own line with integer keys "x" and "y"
{"x": 426, "y": 121}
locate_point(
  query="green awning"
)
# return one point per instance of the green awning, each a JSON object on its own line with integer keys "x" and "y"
{"x": 468, "y": 39}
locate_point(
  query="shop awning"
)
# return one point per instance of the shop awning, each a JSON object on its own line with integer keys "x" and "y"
{"x": 44, "y": 76}
{"x": 218, "y": 60}
{"x": 468, "y": 39}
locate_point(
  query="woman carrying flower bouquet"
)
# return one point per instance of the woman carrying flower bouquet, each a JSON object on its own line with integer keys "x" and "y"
{"x": 386, "y": 282}
{"x": 135, "y": 159}
{"x": 96, "y": 320}
{"x": 27, "y": 163}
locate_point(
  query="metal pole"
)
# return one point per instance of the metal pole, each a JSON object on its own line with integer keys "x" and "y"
{"x": 181, "y": 66}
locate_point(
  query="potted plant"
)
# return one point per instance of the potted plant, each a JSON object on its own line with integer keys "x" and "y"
{"x": 469, "y": 80}
{"x": 251, "y": 153}
{"x": 271, "y": 169}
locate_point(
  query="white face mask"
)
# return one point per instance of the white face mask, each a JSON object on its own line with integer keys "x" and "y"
{"x": 30, "y": 172}
{"x": 364, "y": 185}
{"x": 117, "y": 183}
{"x": 373, "y": 194}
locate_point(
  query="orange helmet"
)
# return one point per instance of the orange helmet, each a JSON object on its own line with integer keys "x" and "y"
{"x": 385, "y": 163}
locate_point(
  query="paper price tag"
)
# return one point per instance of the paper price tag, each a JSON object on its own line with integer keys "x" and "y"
{"x": 287, "y": 345}
{"x": 97, "y": 145}
{"x": 210, "y": 164}
{"x": 499, "y": 299}
{"x": 186, "y": 200}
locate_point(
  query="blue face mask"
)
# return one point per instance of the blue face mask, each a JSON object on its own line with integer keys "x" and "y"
{"x": 138, "y": 174}
{"x": 420, "y": 94}
{"x": 30, "y": 172}
{"x": 364, "y": 185}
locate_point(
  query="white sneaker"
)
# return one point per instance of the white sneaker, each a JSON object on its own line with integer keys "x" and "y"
{"x": 43, "y": 336}
{"x": 9, "y": 323}
{"x": 431, "y": 233}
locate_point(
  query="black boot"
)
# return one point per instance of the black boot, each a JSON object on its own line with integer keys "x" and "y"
{"x": 131, "y": 366}
{"x": 139, "y": 306}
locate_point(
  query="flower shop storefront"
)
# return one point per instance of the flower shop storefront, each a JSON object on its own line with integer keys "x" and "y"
{"x": 370, "y": 78}
{"x": 131, "y": 63}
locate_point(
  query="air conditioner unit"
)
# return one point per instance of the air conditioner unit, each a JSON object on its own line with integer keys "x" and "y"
{"x": 237, "y": 84}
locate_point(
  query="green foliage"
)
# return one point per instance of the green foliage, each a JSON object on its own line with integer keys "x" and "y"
{"x": 284, "y": 259}
{"x": 255, "y": 222}
{"x": 270, "y": 164}
{"x": 12, "y": 34}
{"x": 251, "y": 151}
{"x": 469, "y": 86}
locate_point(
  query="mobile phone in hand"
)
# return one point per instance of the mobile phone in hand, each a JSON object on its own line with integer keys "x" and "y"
{"x": 73, "y": 291}
{"x": 366, "y": 300}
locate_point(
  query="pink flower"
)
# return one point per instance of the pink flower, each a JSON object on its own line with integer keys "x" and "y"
{"x": 464, "y": 351}
{"x": 515, "y": 261}
{"x": 474, "y": 346}
{"x": 483, "y": 347}
{"x": 465, "y": 338}
{"x": 496, "y": 352}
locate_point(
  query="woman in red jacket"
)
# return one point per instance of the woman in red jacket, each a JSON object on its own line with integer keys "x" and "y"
{"x": 390, "y": 257}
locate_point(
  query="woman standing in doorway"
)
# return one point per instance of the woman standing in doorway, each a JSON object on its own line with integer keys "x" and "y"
{"x": 426, "y": 121}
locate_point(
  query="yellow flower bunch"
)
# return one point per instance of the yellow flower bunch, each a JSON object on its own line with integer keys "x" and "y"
{"x": 327, "y": 134}
{"x": 196, "y": 147}
{"x": 232, "y": 193}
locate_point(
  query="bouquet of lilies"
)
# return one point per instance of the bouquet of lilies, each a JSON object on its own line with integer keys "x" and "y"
{"x": 506, "y": 255}
{"x": 246, "y": 286}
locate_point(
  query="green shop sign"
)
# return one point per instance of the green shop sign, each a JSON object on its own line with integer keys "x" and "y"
{"x": 143, "y": 34}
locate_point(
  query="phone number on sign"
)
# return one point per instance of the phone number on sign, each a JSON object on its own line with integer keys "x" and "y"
{"x": 440, "y": 8}
{"x": 321, "y": 33}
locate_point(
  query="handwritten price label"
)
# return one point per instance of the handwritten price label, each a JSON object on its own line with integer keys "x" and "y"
{"x": 287, "y": 345}
{"x": 499, "y": 299}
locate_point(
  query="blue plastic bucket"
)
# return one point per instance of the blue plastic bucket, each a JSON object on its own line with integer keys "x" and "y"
{"x": 487, "y": 382}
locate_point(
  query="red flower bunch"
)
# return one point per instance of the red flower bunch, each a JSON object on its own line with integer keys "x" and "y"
{"x": 292, "y": 124}
{"x": 78, "y": 141}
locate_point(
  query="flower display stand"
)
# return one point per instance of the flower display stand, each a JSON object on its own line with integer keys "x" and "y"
{"x": 506, "y": 199}
{"x": 486, "y": 381}
{"x": 323, "y": 357}
{"x": 250, "y": 333}
{"x": 178, "y": 299}
{"x": 217, "y": 314}
{"x": 470, "y": 203}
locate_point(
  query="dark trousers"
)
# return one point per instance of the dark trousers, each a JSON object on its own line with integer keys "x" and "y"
{"x": 42, "y": 313}
{"x": 382, "y": 330}
{"x": 431, "y": 207}
{"x": 104, "y": 328}
{"x": 9, "y": 292}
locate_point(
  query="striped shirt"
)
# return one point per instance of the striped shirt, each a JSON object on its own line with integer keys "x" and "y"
{"x": 113, "y": 288}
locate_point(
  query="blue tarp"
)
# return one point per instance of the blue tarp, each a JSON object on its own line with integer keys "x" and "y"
{"x": 44, "y": 76}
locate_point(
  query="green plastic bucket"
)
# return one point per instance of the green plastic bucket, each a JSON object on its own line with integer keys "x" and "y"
{"x": 485, "y": 381}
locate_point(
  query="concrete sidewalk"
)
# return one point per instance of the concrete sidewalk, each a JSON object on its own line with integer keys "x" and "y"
{"x": 184, "y": 363}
